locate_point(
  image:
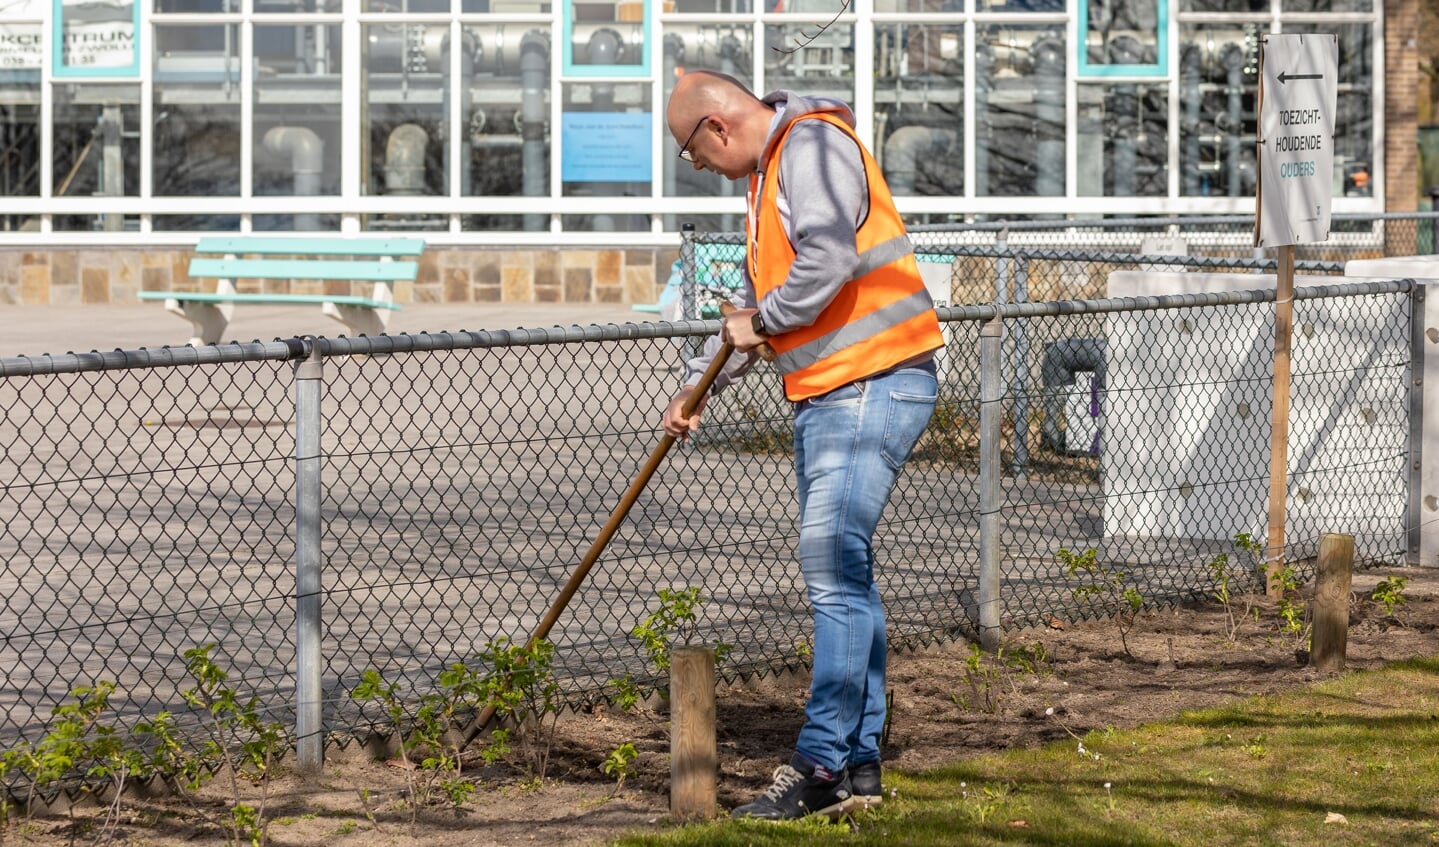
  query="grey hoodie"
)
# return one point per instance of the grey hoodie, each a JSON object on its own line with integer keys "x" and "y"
{"x": 824, "y": 197}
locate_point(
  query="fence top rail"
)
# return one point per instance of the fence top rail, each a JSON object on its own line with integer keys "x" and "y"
{"x": 521, "y": 337}
{"x": 1139, "y": 223}
{"x": 291, "y": 349}
{"x": 995, "y": 252}
{"x": 153, "y": 357}
{"x": 1055, "y": 308}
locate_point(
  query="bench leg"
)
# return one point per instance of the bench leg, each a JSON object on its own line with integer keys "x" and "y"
{"x": 363, "y": 320}
{"x": 209, "y": 319}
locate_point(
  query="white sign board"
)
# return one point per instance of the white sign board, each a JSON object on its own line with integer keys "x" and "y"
{"x": 1298, "y": 92}
{"x": 21, "y": 47}
{"x": 96, "y": 35}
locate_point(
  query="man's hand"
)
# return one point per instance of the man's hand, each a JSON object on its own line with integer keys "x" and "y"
{"x": 675, "y": 423}
{"x": 738, "y": 329}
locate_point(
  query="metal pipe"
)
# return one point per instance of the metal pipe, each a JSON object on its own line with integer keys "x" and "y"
{"x": 1063, "y": 361}
{"x": 405, "y": 160}
{"x": 534, "y": 85}
{"x": 605, "y": 48}
{"x": 1020, "y": 409}
{"x": 309, "y": 729}
{"x": 689, "y": 274}
{"x": 991, "y": 391}
{"x": 1423, "y": 533}
{"x": 1048, "y": 117}
{"x": 1189, "y": 122}
{"x": 983, "y": 83}
{"x": 906, "y": 147}
{"x": 307, "y": 164}
{"x": 112, "y": 162}
{"x": 1233, "y": 59}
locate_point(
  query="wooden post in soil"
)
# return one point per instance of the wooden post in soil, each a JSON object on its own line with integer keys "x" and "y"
{"x": 1279, "y": 423}
{"x": 1331, "y": 602}
{"x": 693, "y": 757}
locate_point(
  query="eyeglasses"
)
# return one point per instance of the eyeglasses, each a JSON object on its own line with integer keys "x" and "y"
{"x": 685, "y": 150}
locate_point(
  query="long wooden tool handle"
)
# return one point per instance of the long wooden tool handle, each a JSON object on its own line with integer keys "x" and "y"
{"x": 617, "y": 517}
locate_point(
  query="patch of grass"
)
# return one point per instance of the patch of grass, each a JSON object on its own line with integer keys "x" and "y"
{"x": 1364, "y": 747}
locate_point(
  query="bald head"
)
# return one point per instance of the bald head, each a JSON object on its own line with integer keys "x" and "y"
{"x": 724, "y": 123}
{"x": 700, "y": 93}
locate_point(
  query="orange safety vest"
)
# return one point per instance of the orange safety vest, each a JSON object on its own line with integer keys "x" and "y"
{"x": 883, "y": 316}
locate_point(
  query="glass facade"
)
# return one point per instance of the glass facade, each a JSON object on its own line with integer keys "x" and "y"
{"x": 517, "y": 121}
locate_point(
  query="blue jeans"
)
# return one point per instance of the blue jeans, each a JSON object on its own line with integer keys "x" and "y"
{"x": 849, "y": 447}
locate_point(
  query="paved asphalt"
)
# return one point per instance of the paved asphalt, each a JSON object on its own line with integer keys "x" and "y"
{"x": 34, "y": 330}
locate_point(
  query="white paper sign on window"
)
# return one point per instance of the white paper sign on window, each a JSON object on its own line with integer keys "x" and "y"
{"x": 98, "y": 34}
{"x": 21, "y": 45}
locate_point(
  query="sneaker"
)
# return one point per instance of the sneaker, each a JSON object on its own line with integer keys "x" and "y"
{"x": 864, "y": 779}
{"x": 797, "y": 795}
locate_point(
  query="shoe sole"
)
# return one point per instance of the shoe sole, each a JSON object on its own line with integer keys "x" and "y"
{"x": 834, "y": 813}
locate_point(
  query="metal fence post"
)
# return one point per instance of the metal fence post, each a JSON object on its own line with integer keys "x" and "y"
{"x": 1423, "y": 503}
{"x": 1019, "y": 406}
{"x": 991, "y": 392}
{"x": 309, "y": 734}
{"x": 689, "y": 287}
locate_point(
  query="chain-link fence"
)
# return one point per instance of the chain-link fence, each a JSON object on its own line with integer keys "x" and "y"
{"x": 155, "y": 501}
{"x": 1016, "y": 261}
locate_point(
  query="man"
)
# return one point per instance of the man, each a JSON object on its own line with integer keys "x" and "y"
{"x": 833, "y": 289}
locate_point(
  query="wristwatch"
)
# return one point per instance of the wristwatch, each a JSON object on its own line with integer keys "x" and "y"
{"x": 757, "y": 324}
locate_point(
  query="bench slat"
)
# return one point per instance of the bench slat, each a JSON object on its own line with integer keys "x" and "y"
{"x": 365, "y": 271}
{"x": 282, "y": 246}
{"x": 272, "y": 299}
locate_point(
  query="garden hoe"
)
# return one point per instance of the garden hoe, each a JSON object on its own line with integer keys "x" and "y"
{"x": 616, "y": 517}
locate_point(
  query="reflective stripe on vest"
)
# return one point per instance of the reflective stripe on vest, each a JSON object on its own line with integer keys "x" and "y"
{"x": 854, "y": 332}
{"x": 876, "y": 320}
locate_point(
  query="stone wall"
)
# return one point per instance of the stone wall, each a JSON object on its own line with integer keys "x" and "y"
{"x": 447, "y": 275}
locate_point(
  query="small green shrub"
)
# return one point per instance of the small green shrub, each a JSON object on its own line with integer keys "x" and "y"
{"x": 1106, "y": 585}
{"x": 620, "y": 764}
{"x": 1390, "y": 593}
{"x": 520, "y": 685}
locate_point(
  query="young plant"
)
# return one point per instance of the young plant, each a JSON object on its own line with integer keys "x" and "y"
{"x": 620, "y": 764}
{"x": 235, "y": 725}
{"x": 372, "y": 686}
{"x": 521, "y": 686}
{"x": 459, "y": 692}
{"x": 1292, "y": 610}
{"x": 984, "y": 674}
{"x": 980, "y": 676}
{"x": 1106, "y": 585}
{"x": 676, "y": 621}
{"x": 170, "y": 757}
{"x": 1390, "y": 593}
{"x": 1254, "y": 548}
{"x": 79, "y": 745}
{"x": 1231, "y": 582}
{"x": 429, "y": 753}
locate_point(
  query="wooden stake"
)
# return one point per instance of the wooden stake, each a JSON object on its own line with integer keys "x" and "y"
{"x": 693, "y": 757}
{"x": 1331, "y": 602}
{"x": 1279, "y": 427}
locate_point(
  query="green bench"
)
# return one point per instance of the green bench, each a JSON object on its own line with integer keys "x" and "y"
{"x": 383, "y": 261}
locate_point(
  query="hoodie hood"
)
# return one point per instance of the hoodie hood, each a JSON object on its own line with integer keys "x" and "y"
{"x": 790, "y": 106}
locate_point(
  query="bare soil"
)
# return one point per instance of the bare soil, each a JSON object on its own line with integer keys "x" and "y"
{"x": 942, "y": 712}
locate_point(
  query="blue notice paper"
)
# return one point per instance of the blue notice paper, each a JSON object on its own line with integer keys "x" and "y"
{"x": 605, "y": 146}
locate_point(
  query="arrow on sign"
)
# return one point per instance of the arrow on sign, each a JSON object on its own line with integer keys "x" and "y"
{"x": 1283, "y": 77}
